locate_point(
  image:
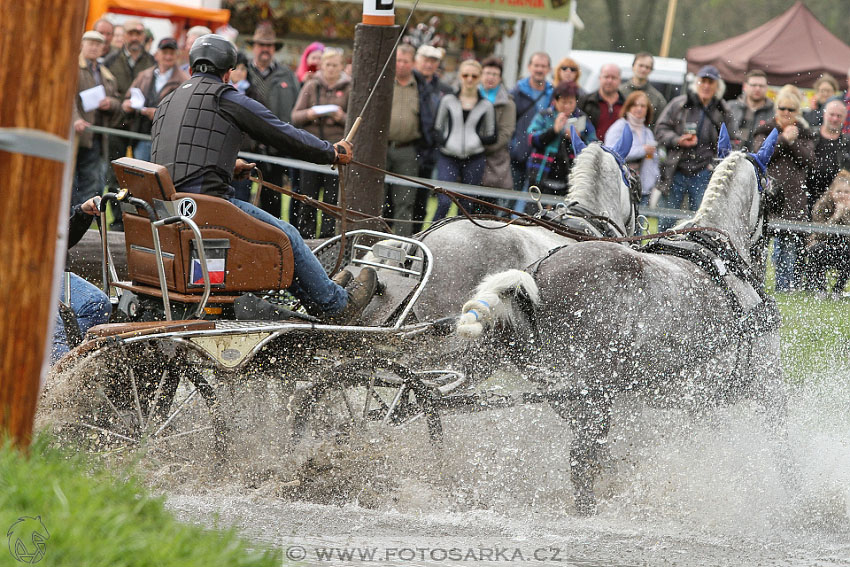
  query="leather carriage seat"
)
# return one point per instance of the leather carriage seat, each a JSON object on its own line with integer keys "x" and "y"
{"x": 248, "y": 254}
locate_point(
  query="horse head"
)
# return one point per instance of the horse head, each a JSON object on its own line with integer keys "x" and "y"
{"x": 733, "y": 200}
{"x": 599, "y": 182}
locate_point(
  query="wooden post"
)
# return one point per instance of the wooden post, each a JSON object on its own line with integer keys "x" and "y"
{"x": 373, "y": 45}
{"x": 39, "y": 49}
{"x": 668, "y": 28}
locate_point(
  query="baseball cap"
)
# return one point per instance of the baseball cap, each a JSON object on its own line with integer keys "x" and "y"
{"x": 167, "y": 43}
{"x": 430, "y": 51}
{"x": 709, "y": 72}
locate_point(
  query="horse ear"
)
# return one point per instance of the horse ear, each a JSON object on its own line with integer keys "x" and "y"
{"x": 578, "y": 143}
{"x": 624, "y": 144}
{"x": 766, "y": 150}
{"x": 724, "y": 144}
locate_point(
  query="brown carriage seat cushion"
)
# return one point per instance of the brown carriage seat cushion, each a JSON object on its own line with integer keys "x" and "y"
{"x": 258, "y": 255}
{"x": 146, "y": 181}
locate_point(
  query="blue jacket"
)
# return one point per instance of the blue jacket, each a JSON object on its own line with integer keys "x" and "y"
{"x": 528, "y": 103}
{"x": 551, "y": 153}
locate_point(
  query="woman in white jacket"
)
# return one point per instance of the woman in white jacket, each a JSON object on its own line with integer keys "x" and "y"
{"x": 465, "y": 123}
{"x": 643, "y": 159}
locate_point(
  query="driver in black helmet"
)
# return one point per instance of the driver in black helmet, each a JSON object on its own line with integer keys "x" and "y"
{"x": 197, "y": 131}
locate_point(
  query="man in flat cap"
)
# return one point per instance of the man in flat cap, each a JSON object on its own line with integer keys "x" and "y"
{"x": 88, "y": 172}
{"x": 154, "y": 83}
{"x": 277, "y": 89}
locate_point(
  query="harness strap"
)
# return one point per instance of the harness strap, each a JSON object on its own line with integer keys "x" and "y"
{"x": 721, "y": 261}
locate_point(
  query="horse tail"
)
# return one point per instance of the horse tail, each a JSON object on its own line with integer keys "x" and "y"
{"x": 494, "y": 302}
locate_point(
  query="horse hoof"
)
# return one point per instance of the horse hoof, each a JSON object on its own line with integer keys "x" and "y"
{"x": 586, "y": 504}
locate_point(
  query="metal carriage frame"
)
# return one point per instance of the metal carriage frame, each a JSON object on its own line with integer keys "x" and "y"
{"x": 161, "y": 373}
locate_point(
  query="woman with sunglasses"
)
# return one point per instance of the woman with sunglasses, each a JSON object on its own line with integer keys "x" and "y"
{"x": 794, "y": 154}
{"x": 465, "y": 123}
{"x": 568, "y": 69}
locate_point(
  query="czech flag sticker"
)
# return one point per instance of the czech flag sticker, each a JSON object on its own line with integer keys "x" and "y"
{"x": 215, "y": 266}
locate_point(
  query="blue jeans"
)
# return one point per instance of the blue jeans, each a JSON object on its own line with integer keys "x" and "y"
{"x": 142, "y": 150}
{"x": 311, "y": 283}
{"x": 692, "y": 185}
{"x": 89, "y": 304}
{"x": 469, "y": 171}
{"x": 785, "y": 249}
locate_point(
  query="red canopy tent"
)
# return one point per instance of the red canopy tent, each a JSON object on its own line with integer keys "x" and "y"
{"x": 793, "y": 47}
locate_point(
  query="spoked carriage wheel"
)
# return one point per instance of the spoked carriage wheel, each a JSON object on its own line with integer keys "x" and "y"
{"x": 134, "y": 401}
{"x": 355, "y": 397}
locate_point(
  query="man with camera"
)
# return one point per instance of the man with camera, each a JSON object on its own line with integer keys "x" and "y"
{"x": 689, "y": 128}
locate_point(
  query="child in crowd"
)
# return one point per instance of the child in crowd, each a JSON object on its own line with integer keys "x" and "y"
{"x": 826, "y": 251}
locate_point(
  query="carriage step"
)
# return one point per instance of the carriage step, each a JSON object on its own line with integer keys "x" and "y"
{"x": 148, "y": 328}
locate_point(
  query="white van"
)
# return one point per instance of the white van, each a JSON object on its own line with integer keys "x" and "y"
{"x": 668, "y": 74}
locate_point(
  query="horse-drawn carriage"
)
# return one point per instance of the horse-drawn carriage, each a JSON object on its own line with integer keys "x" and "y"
{"x": 171, "y": 376}
{"x": 167, "y": 373}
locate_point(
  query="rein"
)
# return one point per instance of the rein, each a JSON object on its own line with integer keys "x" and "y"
{"x": 345, "y": 215}
{"x": 356, "y": 217}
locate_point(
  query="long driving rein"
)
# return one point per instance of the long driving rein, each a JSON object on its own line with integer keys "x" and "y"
{"x": 553, "y": 222}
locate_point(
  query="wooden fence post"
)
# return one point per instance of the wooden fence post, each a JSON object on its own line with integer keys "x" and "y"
{"x": 373, "y": 45}
{"x": 39, "y": 49}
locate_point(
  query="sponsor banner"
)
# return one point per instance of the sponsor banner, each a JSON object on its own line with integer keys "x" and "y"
{"x": 538, "y": 9}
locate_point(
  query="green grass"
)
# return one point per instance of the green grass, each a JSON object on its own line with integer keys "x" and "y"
{"x": 814, "y": 334}
{"x": 94, "y": 519}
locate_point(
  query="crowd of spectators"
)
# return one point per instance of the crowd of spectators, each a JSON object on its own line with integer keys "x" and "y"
{"x": 477, "y": 130}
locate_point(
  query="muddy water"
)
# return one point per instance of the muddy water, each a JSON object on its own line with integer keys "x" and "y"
{"x": 676, "y": 490}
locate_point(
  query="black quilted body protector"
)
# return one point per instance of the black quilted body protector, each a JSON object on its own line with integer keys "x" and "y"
{"x": 191, "y": 135}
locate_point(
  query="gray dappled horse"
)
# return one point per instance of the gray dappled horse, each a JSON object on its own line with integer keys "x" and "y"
{"x": 465, "y": 253}
{"x": 685, "y": 324}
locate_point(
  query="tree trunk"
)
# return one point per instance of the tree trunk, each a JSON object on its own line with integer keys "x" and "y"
{"x": 39, "y": 48}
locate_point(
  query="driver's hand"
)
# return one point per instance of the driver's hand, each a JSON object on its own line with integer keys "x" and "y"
{"x": 92, "y": 206}
{"x": 344, "y": 152}
{"x": 242, "y": 169}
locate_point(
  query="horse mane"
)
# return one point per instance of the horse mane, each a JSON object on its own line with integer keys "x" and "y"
{"x": 585, "y": 174}
{"x": 716, "y": 198}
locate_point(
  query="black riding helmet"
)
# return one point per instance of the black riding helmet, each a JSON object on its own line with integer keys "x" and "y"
{"x": 214, "y": 50}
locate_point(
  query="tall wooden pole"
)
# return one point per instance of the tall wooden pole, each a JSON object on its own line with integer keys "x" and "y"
{"x": 39, "y": 49}
{"x": 668, "y": 28}
{"x": 373, "y": 45}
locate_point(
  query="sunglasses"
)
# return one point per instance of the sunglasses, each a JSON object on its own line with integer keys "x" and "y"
{"x": 787, "y": 108}
{"x": 569, "y": 68}
{"x": 469, "y": 76}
